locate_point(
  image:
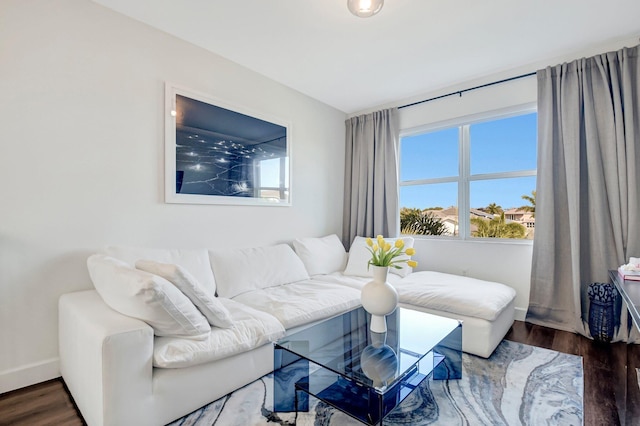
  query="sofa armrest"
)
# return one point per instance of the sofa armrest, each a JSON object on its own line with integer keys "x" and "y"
{"x": 105, "y": 360}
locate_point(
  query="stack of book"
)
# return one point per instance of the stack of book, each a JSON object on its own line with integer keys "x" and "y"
{"x": 626, "y": 275}
{"x": 630, "y": 271}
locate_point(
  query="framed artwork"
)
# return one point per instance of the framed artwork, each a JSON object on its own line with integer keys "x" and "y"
{"x": 218, "y": 153}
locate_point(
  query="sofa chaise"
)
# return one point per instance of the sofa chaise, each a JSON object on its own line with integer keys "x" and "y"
{"x": 168, "y": 331}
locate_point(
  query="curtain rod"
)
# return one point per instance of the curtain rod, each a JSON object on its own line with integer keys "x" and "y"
{"x": 460, "y": 92}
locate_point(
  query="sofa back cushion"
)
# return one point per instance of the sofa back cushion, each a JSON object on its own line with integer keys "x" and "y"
{"x": 359, "y": 257}
{"x": 147, "y": 297}
{"x": 321, "y": 256}
{"x": 196, "y": 261}
{"x": 238, "y": 271}
{"x": 204, "y": 299}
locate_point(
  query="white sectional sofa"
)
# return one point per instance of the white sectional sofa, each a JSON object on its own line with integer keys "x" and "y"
{"x": 168, "y": 331}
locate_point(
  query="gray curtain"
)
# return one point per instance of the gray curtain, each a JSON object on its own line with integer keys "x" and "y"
{"x": 371, "y": 176}
{"x": 588, "y": 193}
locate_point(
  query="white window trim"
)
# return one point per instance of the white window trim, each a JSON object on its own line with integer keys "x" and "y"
{"x": 464, "y": 170}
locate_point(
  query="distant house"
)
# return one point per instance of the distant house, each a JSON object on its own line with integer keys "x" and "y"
{"x": 449, "y": 217}
{"x": 524, "y": 218}
{"x": 481, "y": 214}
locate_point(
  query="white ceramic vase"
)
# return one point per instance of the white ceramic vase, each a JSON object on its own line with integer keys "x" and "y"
{"x": 379, "y": 298}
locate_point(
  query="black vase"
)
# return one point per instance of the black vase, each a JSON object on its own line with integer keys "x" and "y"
{"x": 601, "y": 311}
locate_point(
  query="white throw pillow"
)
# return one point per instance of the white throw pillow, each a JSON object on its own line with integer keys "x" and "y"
{"x": 196, "y": 261}
{"x": 205, "y": 300}
{"x": 359, "y": 257}
{"x": 241, "y": 270}
{"x": 147, "y": 297}
{"x": 321, "y": 256}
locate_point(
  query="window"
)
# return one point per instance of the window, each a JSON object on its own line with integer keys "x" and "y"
{"x": 472, "y": 180}
{"x": 273, "y": 175}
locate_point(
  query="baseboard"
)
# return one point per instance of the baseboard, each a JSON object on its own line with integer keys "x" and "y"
{"x": 29, "y": 374}
{"x": 520, "y": 314}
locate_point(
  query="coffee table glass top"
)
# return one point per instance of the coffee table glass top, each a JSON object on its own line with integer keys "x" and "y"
{"x": 345, "y": 345}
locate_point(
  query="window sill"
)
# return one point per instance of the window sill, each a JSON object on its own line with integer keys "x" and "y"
{"x": 509, "y": 241}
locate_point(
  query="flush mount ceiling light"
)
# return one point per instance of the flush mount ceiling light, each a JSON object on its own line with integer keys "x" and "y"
{"x": 364, "y": 8}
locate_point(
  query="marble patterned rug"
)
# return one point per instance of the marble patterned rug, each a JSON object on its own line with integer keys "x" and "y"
{"x": 517, "y": 385}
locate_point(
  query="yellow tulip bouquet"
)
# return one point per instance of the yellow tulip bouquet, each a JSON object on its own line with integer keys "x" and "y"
{"x": 384, "y": 254}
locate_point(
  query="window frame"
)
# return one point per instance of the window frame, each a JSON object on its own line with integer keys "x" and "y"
{"x": 283, "y": 172}
{"x": 464, "y": 177}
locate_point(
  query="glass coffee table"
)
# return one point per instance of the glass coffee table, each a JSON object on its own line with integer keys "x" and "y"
{"x": 365, "y": 374}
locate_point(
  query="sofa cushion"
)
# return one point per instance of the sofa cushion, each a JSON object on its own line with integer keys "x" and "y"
{"x": 196, "y": 261}
{"x": 147, "y": 297}
{"x": 201, "y": 296}
{"x": 359, "y": 257}
{"x": 321, "y": 255}
{"x": 455, "y": 294}
{"x": 251, "y": 329}
{"x": 302, "y": 302}
{"x": 353, "y": 281}
{"x": 241, "y": 270}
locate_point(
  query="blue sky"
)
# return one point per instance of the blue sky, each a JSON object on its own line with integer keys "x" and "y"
{"x": 503, "y": 145}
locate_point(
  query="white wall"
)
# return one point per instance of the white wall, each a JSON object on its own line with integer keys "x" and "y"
{"x": 81, "y": 161}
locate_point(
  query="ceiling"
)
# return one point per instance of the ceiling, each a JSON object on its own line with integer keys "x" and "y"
{"x": 412, "y": 47}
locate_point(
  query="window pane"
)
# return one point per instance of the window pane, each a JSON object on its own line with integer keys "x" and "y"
{"x": 429, "y": 155}
{"x": 274, "y": 174}
{"x": 429, "y": 209}
{"x": 490, "y": 198}
{"x": 270, "y": 173}
{"x": 504, "y": 145}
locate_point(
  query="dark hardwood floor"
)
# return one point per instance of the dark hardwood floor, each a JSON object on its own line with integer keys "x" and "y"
{"x": 47, "y": 403}
{"x": 609, "y": 371}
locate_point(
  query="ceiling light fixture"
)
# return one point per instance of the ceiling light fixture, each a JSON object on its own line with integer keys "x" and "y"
{"x": 364, "y": 8}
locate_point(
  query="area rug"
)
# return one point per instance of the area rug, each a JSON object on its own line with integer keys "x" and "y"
{"x": 518, "y": 385}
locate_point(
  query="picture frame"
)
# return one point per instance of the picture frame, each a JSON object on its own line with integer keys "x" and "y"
{"x": 220, "y": 153}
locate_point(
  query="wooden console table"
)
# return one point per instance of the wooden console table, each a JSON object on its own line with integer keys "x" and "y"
{"x": 630, "y": 292}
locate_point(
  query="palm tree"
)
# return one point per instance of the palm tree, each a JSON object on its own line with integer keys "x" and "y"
{"x": 497, "y": 228}
{"x": 493, "y": 208}
{"x": 531, "y": 199}
{"x": 417, "y": 222}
